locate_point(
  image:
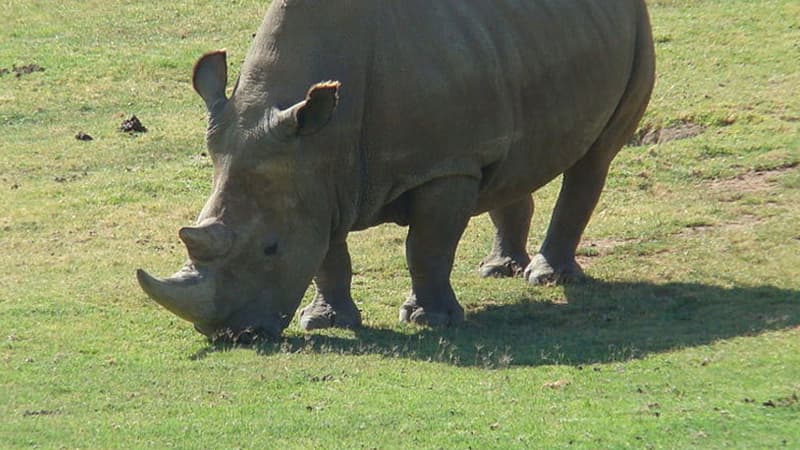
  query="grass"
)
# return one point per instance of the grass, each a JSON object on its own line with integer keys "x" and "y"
{"x": 687, "y": 334}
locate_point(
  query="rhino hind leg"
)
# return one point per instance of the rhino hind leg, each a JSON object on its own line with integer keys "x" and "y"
{"x": 435, "y": 228}
{"x": 333, "y": 306}
{"x": 580, "y": 191}
{"x": 509, "y": 257}
{"x": 583, "y": 183}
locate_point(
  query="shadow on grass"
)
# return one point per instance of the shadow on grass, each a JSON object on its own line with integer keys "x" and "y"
{"x": 599, "y": 322}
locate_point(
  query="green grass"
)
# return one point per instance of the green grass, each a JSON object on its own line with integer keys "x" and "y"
{"x": 687, "y": 334}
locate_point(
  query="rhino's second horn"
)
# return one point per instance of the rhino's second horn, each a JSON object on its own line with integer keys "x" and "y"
{"x": 188, "y": 294}
{"x": 207, "y": 242}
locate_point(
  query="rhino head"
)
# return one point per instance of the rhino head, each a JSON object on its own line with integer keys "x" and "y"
{"x": 265, "y": 229}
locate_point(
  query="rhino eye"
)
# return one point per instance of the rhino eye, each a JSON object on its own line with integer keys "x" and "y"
{"x": 271, "y": 249}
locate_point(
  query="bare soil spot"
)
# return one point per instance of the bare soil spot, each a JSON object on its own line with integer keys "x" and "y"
{"x": 40, "y": 412}
{"x": 734, "y": 189}
{"x": 593, "y": 248}
{"x": 132, "y": 125}
{"x": 652, "y": 135}
{"x": 604, "y": 246}
{"x": 742, "y": 223}
{"x": 70, "y": 177}
{"x": 485, "y": 304}
{"x": 558, "y": 384}
{"x": 19, "y": 71}
{"x": 782, "y": 402}
{"x": 748, "y": 182}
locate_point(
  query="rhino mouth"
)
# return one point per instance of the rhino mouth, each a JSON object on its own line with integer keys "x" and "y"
{"x": 242, "y": 330}
{"x": 245, "y": 337}
{"x": 190, "y": 295}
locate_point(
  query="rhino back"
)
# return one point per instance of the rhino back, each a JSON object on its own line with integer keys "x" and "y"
{"x": 511, "y": 92}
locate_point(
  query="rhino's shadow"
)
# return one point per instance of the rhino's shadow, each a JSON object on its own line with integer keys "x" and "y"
{"x": 599, "y": 322}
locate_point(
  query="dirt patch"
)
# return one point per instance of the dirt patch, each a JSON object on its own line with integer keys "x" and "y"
{"x": 19, "y": 71}
{"x": 132, "y": 125}
{"x": 780, "y": 168}
{"x": 652, "y": 135}
{"x": 782, "y": 402}
{"x": 41, "y": 412}
{"x": 70, "y": 177}
{"x": 558, "y": 384}
{"x": 593, "y": 248}
{"x": 743, "y": 223}
{"x": 604, "y": 246}
{"x": 752, "y": 181}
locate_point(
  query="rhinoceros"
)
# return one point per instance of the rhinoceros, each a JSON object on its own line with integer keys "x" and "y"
{"x": 352, "y": 113}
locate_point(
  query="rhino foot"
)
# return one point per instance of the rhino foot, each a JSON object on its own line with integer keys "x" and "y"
{"x": 502, "y": 266}
{"x": 450, "y": 313}
{"x": 541, "y": 272}
{"x": 320, "y": 314}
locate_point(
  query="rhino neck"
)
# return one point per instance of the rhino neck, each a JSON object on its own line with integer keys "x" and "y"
{"x": 294, "y": 49}
{"x": 298, "y": 45}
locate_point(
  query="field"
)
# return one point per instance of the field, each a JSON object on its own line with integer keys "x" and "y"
{"x": 685, "y": 335}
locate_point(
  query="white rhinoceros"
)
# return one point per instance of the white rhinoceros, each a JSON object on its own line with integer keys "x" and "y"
{"x": 437, "y": 110}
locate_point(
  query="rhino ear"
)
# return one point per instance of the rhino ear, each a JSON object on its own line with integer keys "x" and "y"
{"x": 308, "y": 116}
{"x": 317, "y": 109}
{"x": 210, "y": 79}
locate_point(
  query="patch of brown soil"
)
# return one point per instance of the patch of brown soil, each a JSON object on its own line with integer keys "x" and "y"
{"x": 782, "y": 402}
{"x": 592, "y": 248}
{"x": 40, "y": 412}
{"x": 604, "y": 246}
{"x": 558, "y": 384}
{"x": 734, "y": 189}
{"x": 650, "y": 135}
{"x": 70, "y": 177}
{"x": 19, "y": 71}
{"x": 486, "y": 304}
{"x": 742, "y": 223}
{"x": 752, "y": 181}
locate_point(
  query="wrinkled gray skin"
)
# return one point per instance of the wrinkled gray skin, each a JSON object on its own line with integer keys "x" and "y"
{"x": 438, "y": 111}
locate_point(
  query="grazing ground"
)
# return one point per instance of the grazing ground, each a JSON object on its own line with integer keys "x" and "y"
{"x": 686, "y": 335}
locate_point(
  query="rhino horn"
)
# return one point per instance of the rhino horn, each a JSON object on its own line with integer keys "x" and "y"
{"x": 207, "y": 242}
{"x": 188, "y": 294}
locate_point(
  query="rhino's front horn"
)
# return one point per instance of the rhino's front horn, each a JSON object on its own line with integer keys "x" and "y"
{"x": 207, "y": 242}
{"x": 188, "y": 294}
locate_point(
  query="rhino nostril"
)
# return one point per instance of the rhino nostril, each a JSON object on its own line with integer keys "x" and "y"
{"x": 271, "y": 249}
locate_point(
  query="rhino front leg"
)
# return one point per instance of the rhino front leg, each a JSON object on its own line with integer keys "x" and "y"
{"x": 509, "y": 256}
{"x": 438, "y": 214}
{"x": 333, "y": 305}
